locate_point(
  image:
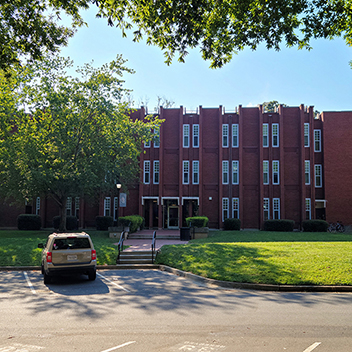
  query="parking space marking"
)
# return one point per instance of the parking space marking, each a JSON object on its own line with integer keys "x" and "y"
{"x": 120, "y": 346}
{"x": 312, "y": 347}
{"x": 29, "y": 283}
{"x": 113, "y": 283}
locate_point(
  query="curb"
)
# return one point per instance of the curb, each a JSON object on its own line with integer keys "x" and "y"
{"x": 204, "y": 280}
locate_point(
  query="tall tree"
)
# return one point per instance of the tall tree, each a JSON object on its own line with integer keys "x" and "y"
{"x": 75, "y": 136}
{"x": 219, "y": 28}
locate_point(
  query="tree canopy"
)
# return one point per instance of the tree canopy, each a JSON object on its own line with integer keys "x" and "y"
{"x": 219, "y": 28}
{"x": 66, "y": 137}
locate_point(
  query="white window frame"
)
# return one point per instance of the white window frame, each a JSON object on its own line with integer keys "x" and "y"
{"x": 266, "y": 209}
{"x": 306, "y": 134}
{"x": 317, "y": 141}
{"x": 147, "y": 144}
{"x": 235, "y": 135}
{"x": 266, "y": 135}
{"x": 157, "y": 138}
{"x": 107, "y": 206}
{"x": 186, "y": 136}
{"x": 235, "y": 208}
{"x": 275, "y": 133}
{"x": 69, "y": 206}
{"x": 37, "y": 206}
{"x": 308, "y": 209}
{"x": 307, "y": 172}
{"x": 276, "y": 208}
{"x": 318, "y": 175}
{"x": 225, "y": 172}
{"x": 225, "y": 209}
{"x": 266, "y": 172}
{"x": 156, "y": 171}
{"x": 195, "y": 172}
{"x": 235, "y": 172}
{"x": 225, "y": 135}
{"x": 276, "y": 172}
{"x": 146, "y": 172}
{"x": 195, "y": 135}
{"x": 185, "y": 172}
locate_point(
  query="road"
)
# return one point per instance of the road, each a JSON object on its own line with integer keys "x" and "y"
{"x": 141, "y": 310}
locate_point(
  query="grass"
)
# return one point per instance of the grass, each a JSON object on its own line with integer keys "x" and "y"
{"x": 20, "y": 248}
{"x": 295, "y": 258}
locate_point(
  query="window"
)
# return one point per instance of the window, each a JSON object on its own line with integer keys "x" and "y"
{"x": 306, "y": 134}
{"x": 276, "y": 208}
{"x": 156, "y": 138}
{"x": 265, "y": 135}
{"x": 116, "y": 207}
{"x": 77, "y": 203}
{"x": 147, "y": 144}
{"x": 235, "y": 208}
{"x": 266, "y": 209}
{"x": 37, "y": 206}
{"x": 317, "y": 140}
{"x": 69, "y": 206}
{"x": 195, "y": 136}
{"x": 195, "y": 170}
{"x": 107, "y": 204}
{"x": 156, "y": 172}
{"x": 225, "y": 136}
{"x": 235, "y": 178}
{"x": 185, "y": 136}
{"x": 318, "y": 177}
{"x": 225, "y": 172}
{"x": 308, "y": 208}
{"x": 307, "y": 172}
{"x": 146, "y": 173}
{"x": 275, "y": 134}
{"x": 235, "y": 135}
{"x": 265, "y": 172}
{"x": 185, "y": 172}
{"x": 225, "y": 209}
{"x": 276, "y": 177}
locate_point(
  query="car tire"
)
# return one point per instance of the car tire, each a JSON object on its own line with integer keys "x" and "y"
{"x": 47, "y": 278}
{"x": 42, "y": 269}
{"x": 92, "y": 275}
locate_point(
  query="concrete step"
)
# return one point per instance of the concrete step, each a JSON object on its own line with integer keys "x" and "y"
{"x": 136, "y": 236}
{"x": 136, "y": 257}
{"x": 137, "y": 266}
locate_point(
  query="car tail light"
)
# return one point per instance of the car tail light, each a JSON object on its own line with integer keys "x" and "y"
{"x": 49, "y": 257}
{"x": 94, "y": 254}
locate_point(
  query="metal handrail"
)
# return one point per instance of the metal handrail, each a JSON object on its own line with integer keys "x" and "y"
{"x": 153, "y": 246}
{"x": 120, "y": 245}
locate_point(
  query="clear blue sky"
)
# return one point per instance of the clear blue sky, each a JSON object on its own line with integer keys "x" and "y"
{"x": 321, "y": 77}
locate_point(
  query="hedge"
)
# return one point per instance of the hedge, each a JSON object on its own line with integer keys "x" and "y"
{"x": 197, "y": 221}
{"x": 103, "y": 223}
{"x": 133, "y": 221}
{"x": 315, "y": 226}
{"x": 71, "y": 222}
{"x": 279, "y": 225}
{"x": 29, "y": 222}
{"x": 232, "y": 224}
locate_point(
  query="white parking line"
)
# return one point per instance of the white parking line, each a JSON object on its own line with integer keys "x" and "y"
{"x": 312, "y": 347}
{"x": 116, "y": 347}
{"x": 113, "y": 283}
{"x": 29, "y": 283}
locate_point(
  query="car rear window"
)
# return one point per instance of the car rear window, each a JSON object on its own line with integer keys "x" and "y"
{"x": 71, "y": 243}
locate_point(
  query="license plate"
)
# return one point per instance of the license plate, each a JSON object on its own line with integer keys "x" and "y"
{"x": 71, "y": 257}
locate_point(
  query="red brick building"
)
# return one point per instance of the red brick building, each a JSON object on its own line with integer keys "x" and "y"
{"x": 247, "y": 163}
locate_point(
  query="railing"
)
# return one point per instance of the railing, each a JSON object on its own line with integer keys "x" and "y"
{"x": 153, "y": 246}
{"x": 120, "y": 246}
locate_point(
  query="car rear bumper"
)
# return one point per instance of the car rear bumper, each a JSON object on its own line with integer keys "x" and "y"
{"x": 70, "y": 270}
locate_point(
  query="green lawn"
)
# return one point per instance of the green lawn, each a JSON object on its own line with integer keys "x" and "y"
{"x": 21, "y": 247}
{"x": 266, "y": 257}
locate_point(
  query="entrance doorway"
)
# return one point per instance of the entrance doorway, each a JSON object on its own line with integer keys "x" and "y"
{"x": 172, "y": 217}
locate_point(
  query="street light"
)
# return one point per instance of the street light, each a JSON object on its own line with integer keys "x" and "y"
{"x": 118, "y": 186}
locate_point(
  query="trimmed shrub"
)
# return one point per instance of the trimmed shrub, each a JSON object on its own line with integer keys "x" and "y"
{"x": 29, "y": 222}
{"x": 197, "y": 221}
{"x": 103, "y": 223}
{"x": 133, "y": 221}
{"x": 232, "y": 224}
{"x": 71, "y": 222}
{"x": 279, "y": 225}
{"x": 315, "y": 226}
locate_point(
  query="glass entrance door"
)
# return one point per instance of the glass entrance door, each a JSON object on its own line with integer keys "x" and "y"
{"x": 172, "y": 217}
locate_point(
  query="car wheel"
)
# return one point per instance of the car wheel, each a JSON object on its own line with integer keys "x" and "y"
{"x": 92, "y": 275}
{"x": 42, "y": 269}
{"x": 47, "y": 278}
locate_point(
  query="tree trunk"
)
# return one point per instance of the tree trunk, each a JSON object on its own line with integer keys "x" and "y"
{"x": 62, "y": 226}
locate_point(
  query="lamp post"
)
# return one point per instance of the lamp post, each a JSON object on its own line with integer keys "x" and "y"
{"x": 118, "y": 186}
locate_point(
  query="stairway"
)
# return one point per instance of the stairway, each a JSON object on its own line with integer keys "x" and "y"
{"x": 140, "y": 259}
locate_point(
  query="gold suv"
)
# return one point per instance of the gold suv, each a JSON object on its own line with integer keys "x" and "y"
{"x": 68, "y": 253}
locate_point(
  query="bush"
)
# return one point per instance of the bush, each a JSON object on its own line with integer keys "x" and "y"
{"x": 103, "y": 223}
{"x": 279, "y": 225}
{"x": 315, "y": 226}
{"x": 133, "y": 221}
{"x": 71, "y": 222}
{"x": 29, "y": 222}
{"x": 197, "y": 221}
{"x": 232, "y": 224}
